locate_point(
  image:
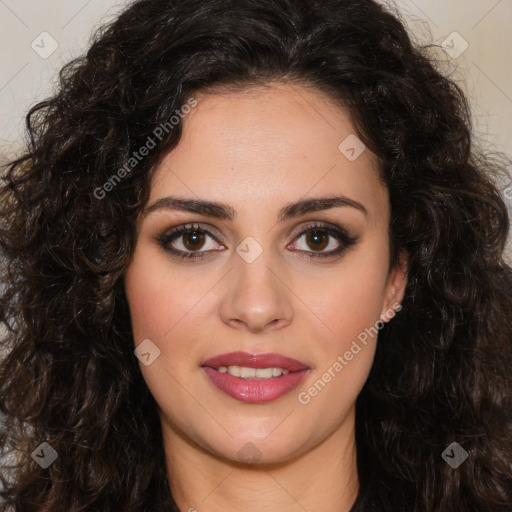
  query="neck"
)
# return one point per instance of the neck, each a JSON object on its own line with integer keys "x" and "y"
{"x": 322, "y": 478}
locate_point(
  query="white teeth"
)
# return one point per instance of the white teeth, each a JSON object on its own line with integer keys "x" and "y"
{"x": 247, "y": 373}
{"x": 234, "y": 370}
{"x": 253, "y": 373}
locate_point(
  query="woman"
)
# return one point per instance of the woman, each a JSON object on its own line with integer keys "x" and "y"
{"x": 224, "y": 207}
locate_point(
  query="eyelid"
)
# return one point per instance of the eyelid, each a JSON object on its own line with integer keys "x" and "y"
{"x": 191, "y": 226}
{"x": 325, "y": 225}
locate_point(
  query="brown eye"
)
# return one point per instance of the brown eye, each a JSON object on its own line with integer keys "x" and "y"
{"x": 189, "y": 242}
{"x": 193, "y": 240}
{"x": 317, "y": 240}
{"x": 318, "y": 237}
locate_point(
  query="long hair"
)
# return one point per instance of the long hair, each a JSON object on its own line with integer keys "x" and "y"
{"x": 442, "y": 370}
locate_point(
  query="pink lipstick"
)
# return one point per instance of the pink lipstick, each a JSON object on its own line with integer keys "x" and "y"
{"x": 254, "y": 378}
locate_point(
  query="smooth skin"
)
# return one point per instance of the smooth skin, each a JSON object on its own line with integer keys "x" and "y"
{"x": 259, "y": 150}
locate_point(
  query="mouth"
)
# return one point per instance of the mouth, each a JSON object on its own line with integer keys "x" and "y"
{"x": 255, "y": 362}
{"x": 254, "y": 378}
{"x": 244, "y": 372}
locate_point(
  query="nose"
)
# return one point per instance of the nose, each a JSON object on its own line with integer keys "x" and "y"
{"x": 256, "y": 297}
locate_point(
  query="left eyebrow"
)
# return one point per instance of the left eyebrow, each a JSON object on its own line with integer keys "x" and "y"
{"x": 226, "y": 212}
{"x": 314, "y": 205}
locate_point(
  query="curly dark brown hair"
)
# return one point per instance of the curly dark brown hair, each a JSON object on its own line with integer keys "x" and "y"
{"x": 442, "y": 372}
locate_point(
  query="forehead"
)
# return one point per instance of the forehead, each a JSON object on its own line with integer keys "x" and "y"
{"x": 269, "y": 143}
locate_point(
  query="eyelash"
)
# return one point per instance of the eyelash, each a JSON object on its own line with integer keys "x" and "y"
{"x": 331, "y": 230}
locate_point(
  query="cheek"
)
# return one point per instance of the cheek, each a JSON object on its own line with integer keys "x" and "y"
{"x": 157, "y": 299}
{"x": 148, "y": 305}
{"x": 161, "y": 307}
{"x": 351, "y": 300}
{"x": 167, "y": 306}
{"x": 355, "y": 303}
{"x": 349, "y": 303}
{"x": 345, "y": 356}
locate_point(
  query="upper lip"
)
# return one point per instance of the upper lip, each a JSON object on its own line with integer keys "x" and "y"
{"x": 269, "y": 360}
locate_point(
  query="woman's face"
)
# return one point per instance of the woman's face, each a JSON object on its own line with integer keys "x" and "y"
{"x": 250, "y": 282}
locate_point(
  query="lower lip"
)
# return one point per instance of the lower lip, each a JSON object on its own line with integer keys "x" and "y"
{"x": 255, "y": 391}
